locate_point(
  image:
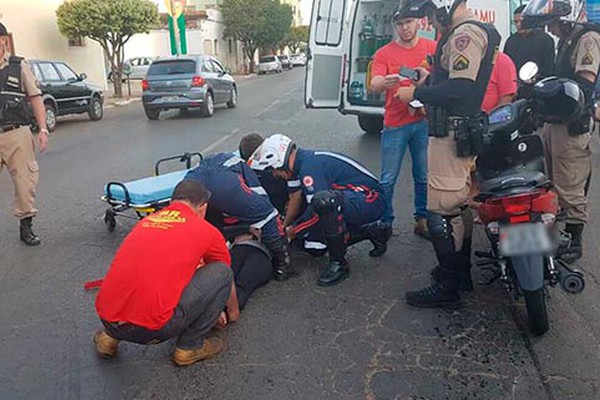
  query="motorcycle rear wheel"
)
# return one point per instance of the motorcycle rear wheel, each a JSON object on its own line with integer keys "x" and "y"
{"x": 537, "y": 313}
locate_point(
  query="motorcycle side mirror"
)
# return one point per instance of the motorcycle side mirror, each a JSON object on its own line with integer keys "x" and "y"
{"x": 528, "y": 71}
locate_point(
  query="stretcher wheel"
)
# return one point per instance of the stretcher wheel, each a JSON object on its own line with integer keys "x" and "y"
{"x": 110, "y": 220}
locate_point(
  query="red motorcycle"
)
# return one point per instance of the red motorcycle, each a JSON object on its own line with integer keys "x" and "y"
{"x": 519, "y": 209}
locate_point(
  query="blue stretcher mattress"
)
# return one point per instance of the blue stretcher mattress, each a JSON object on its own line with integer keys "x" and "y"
{"x": 147, "y": 190}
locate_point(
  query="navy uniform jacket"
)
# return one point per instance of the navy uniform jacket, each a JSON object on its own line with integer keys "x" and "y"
{"x": 325, "y": 170}
{"x": 237, "y": 195}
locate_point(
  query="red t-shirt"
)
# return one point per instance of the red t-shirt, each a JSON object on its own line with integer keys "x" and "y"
{"x": 155, "y": 263}
{"x": 503, "y": 82}
{"x": 388, "y": 60}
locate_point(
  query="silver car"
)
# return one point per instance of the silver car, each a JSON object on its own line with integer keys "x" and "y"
{"x": 269, "y": 64}
{"x": 187, "y": 82}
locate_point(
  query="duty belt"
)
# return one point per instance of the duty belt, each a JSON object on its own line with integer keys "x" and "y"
{"x": 8, "y": 128}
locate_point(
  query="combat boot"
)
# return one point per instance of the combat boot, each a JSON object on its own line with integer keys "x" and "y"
{"x": 26, "y": 233}
{"x": 378, "y": 234}
{"x": 465, "y": 281}
{"x": 338, "y": 269}
{"x": 575, "y": 250}
{"x": 443, "y": 293}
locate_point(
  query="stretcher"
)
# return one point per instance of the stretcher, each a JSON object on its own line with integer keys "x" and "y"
{"x": 147, "y": 195}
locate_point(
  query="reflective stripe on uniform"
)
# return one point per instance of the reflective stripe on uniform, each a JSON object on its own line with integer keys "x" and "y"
{"x": 262, "y": 223}
{"x": 347, "y": 161}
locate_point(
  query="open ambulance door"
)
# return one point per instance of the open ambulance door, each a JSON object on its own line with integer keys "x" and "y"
{"x": 325, "y": 58}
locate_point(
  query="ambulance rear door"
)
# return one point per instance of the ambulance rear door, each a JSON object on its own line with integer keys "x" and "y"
{"x": 325, "y": 58}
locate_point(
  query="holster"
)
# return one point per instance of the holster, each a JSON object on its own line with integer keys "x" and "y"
{"x": 580, "y": 125}
{"x": 437, "y": 118}
{"x": 469, "y": 134}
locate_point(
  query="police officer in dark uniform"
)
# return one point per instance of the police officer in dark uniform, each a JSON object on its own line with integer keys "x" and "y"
{"x": 463, "y": 63}
{"x": 568, "y": 145}
{"x": 238, "y": 199}
{"x": 21, "y": 106}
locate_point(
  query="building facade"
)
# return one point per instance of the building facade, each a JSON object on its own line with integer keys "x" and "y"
{"x": 35, "y": 35}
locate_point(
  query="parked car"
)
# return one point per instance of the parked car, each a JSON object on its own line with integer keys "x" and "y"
{"x": 187, "y": 82}
{"x": 286, "y": 62}
{"x": 298, "y": 60}
{"x": 65, "y": 92}
{"x": 138, "y": 67}
{"x": 269, "y": 64}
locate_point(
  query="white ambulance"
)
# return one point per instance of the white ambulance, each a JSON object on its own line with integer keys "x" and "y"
{"x": 344, "y": 36}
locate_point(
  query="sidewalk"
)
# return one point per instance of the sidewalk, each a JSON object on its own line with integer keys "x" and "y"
{"x": 136, "y": 92}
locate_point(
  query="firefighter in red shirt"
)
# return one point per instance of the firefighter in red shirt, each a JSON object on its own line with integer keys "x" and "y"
{"x": 170, "y": 278}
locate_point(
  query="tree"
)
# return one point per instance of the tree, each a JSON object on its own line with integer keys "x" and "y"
{"x": 256, "y": 23}
{"x": 298, "y": 36}
{"x": 109, "y": 22}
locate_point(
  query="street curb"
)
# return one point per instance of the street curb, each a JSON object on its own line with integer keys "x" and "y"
{"x": 121, "y": 103}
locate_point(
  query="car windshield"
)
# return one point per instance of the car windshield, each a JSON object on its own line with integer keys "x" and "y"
{"x": 267, "y": 59}
{"x": 283, "y": 57}
{"x": 172, "y": 67}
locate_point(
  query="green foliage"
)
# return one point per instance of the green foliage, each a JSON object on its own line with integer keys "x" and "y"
{"x": 298, "y": 36}
{"x": 109, "y": 22}
{"x": 256, "y": 23}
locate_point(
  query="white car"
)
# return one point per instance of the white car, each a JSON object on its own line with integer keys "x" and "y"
{"x": 269, "y": 64}
{"x": 298, "y": 60}
{"x": 137, "y": 68}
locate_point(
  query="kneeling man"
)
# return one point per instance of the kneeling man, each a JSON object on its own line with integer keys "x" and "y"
{"x": 170, "y": 278}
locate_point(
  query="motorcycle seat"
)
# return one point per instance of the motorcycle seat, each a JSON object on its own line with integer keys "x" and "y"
{"x": 508, "y": 185}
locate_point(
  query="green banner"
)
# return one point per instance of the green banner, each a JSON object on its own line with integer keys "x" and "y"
{"x": 178, "y": 42}
{"x": 182, "y": 36}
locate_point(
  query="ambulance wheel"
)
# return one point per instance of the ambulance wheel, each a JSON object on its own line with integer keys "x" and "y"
{"x": 370, "y": 123}
{"x": 110, "y": 220}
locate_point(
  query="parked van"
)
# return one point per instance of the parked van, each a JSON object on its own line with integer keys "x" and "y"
{"x": 344, "y": 36}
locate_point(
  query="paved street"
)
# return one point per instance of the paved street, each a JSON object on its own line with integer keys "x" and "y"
{"x": 357, "y": 340}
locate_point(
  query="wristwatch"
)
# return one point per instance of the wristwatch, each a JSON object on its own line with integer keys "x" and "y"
{"x": 45, "y": 131}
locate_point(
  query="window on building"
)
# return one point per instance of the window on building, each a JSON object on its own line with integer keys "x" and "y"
{"x": 78, "y": 41}
{"x": 208, "y": 47}
{"x": 230, "y": 43}
{"x": 216, "y": 47}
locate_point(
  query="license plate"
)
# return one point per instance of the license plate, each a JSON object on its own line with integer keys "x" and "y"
{"x": 170, "y": 99}
{"x": 521, "y": 239}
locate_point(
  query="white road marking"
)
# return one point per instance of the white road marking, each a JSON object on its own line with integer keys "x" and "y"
{"x": 273, "y": 104}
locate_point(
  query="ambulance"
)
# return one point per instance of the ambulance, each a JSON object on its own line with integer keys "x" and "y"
{"x": 344, "y": 36}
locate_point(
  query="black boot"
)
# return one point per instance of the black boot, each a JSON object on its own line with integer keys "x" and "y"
{"x": 575, "y": 250}
{"x": 378, "y": 234}
{"x": 465, "y": 282}
{"x": 27, "y": 234}
{"x": 338, "y": 269}
{"x": 443, "y": 293}
{"x": 282, "y": 269}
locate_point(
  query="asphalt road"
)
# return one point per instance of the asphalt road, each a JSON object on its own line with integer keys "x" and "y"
{"x": 295, "y": 340}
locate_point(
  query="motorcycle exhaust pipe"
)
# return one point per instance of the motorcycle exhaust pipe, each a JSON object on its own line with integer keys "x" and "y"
{"x": 571, "y": 281}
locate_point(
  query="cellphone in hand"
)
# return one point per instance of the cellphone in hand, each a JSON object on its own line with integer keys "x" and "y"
{"x": 410, "y": 73}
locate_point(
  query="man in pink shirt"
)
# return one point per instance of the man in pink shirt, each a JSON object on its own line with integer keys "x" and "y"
{"x": 503, "y": 84}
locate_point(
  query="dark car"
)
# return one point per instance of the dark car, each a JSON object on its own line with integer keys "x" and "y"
{"x": 185, "y": 83}
{"x": 286, "y": 62}
{"x": 65, "y": 92}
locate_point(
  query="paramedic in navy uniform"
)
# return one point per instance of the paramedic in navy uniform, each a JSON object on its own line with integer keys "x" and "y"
{"x": 345, "y": 200}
